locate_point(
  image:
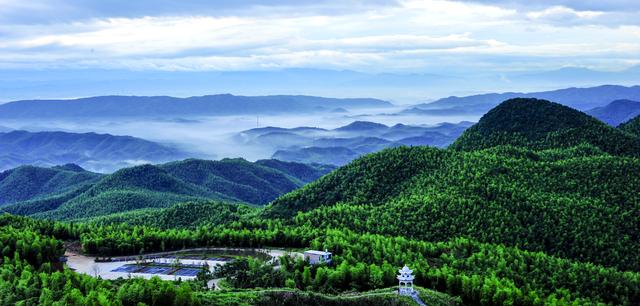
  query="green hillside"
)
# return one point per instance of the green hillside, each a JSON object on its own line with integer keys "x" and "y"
{"x": 29, "y": 182}
{"x": 239, "y": 179}
{"x": 113, "y": 201}
{"x": 181, "y": 215}
{"x": 31, "y": 207}
{"x": 154, "y": 186}
{"x": 503, "y": 182}
{"x": 540, "y": 124}
{"x": 632, "y": 126}
{"x": 147, "y": 177}
{"x": 537, "y": 201}
{"x": 303, "y": 172}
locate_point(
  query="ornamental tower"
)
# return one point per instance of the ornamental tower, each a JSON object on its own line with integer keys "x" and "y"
{"x": 405, "y": 279}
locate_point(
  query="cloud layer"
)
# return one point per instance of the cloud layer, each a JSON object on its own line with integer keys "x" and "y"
{"x": 409, "y": 35}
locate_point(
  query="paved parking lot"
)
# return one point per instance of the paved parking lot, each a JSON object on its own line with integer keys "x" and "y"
{"x": 163, "y": 265}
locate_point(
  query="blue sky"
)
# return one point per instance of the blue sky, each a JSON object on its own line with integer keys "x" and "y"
{"x": 412, "y": 36}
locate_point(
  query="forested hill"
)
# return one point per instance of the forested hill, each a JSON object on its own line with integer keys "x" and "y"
{"x": 532, "y": 174}
{"x": 28, "y": 182}
{"x": 577, "y": 203}
{"x": 632, "y": 126}
{"x": 189, "y": 215}
{"x": 540, "y": 124}
{"x": 59, "y": 193}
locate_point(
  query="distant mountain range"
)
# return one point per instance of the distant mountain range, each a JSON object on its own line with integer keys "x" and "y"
{"x": 578, "y": 98}
{"x": 577, "y": 75}
{"x": 158, "y": 106}
{"x": 70, "y": 192}
{"x": 97, "y": 152}
{"x": 402, "y": 87}
{"x": 616, "y": 112}
{"x": 341, "y": 145}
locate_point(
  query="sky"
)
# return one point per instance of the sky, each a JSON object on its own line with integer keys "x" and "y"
{"x": 441, "y": 37}
{"x": 379, "y": 36}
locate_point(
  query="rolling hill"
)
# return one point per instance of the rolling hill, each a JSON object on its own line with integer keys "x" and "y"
{"x": 540, "y": 124}
{"x": 159, "y": 106}
{"x": 255, "y": 183}
{"x": 359, "y": 126}
{"x": 343, "y": 144}
{"x": 96, "y": 152}
{"x": 537, "y": 201}
{"x": 29, "y": 182}
{"x": 616, "y": 112}
{"x": 575, "y": 201}
{"x": 148, "y": 186}
{"x": 182, "y": 215}
{"x": 632, "y": 126}
{"x": 328, "y": 155}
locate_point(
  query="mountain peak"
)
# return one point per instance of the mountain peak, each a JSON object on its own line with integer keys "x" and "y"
{"x": 362, "y": 125}
{"x": 70, "y": 167}
{"x": 530, "y": 117}
{"x": 541, "y": 124}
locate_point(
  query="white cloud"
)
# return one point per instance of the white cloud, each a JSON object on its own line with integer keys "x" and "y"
{"x": 415, "y": 35}
{"x": 381, "y": 43}
{"x": 152, "y": 35}
{"x": 565, "y": 15}
{"x": 580, "y": 5}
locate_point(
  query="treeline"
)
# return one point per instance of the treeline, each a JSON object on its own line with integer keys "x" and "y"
{"x": 22, "y": 284}
{"x": 29, "y": 246}
{"x": 485, "y": 273}
{"x": 183, "y": 215}
{"x": 31, "y": 274}
{"x": 480, "y": 273}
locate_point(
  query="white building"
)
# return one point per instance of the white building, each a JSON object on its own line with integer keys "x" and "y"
{"x": 317, "y": 257}
{"x": 405, "y": 279}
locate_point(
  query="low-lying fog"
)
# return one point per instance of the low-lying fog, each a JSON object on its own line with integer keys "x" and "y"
{"x": 211, "y": 137}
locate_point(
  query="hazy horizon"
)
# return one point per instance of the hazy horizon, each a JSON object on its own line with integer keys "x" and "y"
{"x": 398, "y": 96}
{"x": 405, "y": 51}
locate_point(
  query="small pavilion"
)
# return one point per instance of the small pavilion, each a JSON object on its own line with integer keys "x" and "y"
{"x": 405, "y": 279}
